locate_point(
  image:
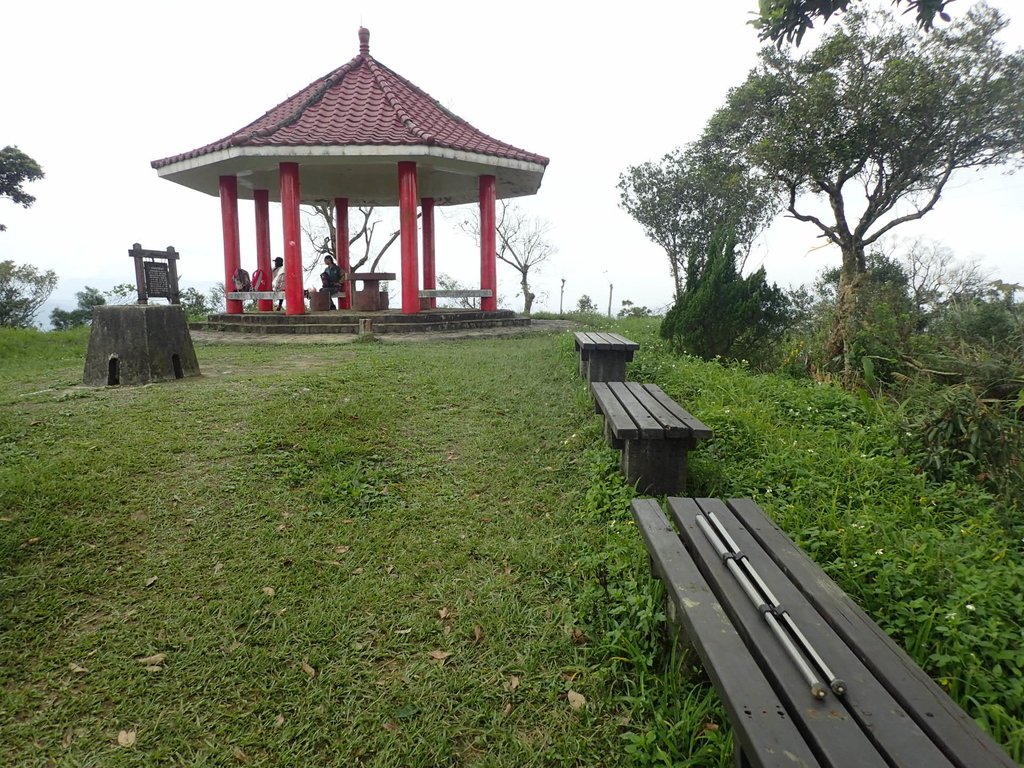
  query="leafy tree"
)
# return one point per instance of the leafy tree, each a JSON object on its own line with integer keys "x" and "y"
{"x": 629, "y": 309}
{"x": 586, "y": 306}
{"x": 722, "y": 314}
{"x": 786, "y": 20}
{"x": 878, "y": 111}
{"x": 449, "y": 283}
{"x": 692, "y": 193}
{"x": 15, "y": 169}
{"x": 196, "y": 305}
{"x": 62, "y": 320}
{"x": 23, "y": 291}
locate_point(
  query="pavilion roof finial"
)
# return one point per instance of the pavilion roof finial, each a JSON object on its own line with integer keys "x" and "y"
{"x": 364, "y": 41}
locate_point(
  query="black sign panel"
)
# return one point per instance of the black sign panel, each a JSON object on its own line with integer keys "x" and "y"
{"x": 158, "y": 281}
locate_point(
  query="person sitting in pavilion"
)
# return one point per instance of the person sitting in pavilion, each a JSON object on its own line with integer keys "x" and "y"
{"x": 331, "y": 278}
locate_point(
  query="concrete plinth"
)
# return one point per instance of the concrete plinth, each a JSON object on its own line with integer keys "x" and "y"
{"x": 139, "y": 344}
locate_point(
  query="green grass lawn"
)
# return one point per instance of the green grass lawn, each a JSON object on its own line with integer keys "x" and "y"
{"x": 421, "y": 555}
{"x": 310, "y": 555}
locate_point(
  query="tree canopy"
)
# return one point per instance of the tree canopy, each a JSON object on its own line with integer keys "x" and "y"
{"x": 15, "y": 169}
{"x": 23, "y": 291}
{"x": 693, "y": 195}
{"x": 873, "y": 123}
{"x": 787, "y": 20}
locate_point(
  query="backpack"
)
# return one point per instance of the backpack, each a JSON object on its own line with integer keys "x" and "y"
{"x": 260, "y": 280}
{"x": 241, "y": 280}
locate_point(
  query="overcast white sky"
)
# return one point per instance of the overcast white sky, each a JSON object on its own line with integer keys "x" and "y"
{"x": 95, "y": 91}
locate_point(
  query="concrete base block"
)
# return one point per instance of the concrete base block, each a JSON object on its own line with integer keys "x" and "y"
{"x": 139, "y": 344}
{"x": 656, "y": 466}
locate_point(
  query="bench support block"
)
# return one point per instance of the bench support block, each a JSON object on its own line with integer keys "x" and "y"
{"x": 656, "y": 466}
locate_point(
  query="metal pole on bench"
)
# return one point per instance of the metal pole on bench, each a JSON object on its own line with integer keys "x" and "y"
{"x": 838, "y": 686}
{"x": 740, "y": 566}
{"x": 817, "y": 689}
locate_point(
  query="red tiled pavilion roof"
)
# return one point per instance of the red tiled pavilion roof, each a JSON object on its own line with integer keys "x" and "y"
{"x": 362, "y": 103}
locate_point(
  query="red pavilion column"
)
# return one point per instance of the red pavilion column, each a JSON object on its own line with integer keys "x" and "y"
{"x": 341, "y": 248}
{"x": 429, "y": 275}
{"x": 232, "y": 249}
{"x": 261, "y": 197}
{"x": 407, "y": 219}
{"x": 294, "y": 302}
{"x": 488, "y": 243}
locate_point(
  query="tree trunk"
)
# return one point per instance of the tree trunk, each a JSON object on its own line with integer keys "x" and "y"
{"x": 844, "y": 326}
{"x": 528, "y": 296}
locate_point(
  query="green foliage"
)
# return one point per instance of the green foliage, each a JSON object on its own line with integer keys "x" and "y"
{"x": 23, "y": 291}
{"x": 786, "y": 20}
{"x": 688, "y": 196}
{"x": 629, "y": 309}
{"x": 197, "y": 306}
{"x": 62, "y": 320}
{"x": 722, "y": 314}
{"x": 586, "y": 306}
{"x": 16, "y": 168}
{"x": 878, "y": 112}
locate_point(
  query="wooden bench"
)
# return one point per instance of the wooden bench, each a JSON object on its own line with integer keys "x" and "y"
{"x": 253, "y": 295}
{"x": 467, "y": 293}
{"x": 603, "y": 356}
{"x": 653, "y": 432}
{"x": 891, "y": 713}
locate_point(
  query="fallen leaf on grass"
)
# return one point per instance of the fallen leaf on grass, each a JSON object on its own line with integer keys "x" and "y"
{"x": 218, "y": 567}
{"x": 69, "y": 736}
{"x": 282, "y": 528}
{"x": 508, "y": 709}
{"x": 348, "y": 521}
{"x": 341, "y": 550}
{"x": 357, "y": 571}
{"x": 32, "y": 541}
{"x": 233, "y": 647}
{"x": 77, "y": 669}
{"x": 269, "y": 591}
{"x": 710, "y": 726}
{"x": 440, "y": 655}
{"x": 240, "y": 756}
{"x": 513, "y": 682}
{"x": 444, "y": 613}
{"x": 155, "y": 659}
{"x": 403, "y": 631}
{"x": 478, "y": 634}
{"x": 154, "y": 668}
{"x": 576, "y": 700}
{"x": 126, "y": 738}
{"x": 151, "y": 581}
{"x": 279, "y": 721}
{"x": 390, "y": 725}
{"x": 308, "y": 669}
{"x": 579, "y": 636}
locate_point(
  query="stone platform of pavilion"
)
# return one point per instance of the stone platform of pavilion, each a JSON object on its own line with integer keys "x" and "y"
{"x": 342, "y": 321}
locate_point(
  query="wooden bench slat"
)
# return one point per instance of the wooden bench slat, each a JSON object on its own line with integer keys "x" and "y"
{"x": 672, "y": 424}
{"x": 430, "y": 293}
{"x": 832, "y": 732}
{"x": 868, "y": 702}
{"x": 649, "y": 427}
{"x": 766, "y": 734}
{"x": 957, "y": 734}
{"x": 589, "y": 342}
{"x": 244, "y": 295}
{"x": 699, "y": 430}
{"x": 618, "y": 421}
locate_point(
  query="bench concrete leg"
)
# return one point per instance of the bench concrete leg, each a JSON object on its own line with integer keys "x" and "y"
{"x": 656, "y": 466}
{"x": 606, "y": 366}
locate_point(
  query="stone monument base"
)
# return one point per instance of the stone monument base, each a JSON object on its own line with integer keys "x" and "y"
{"x": 139, "y": 344}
